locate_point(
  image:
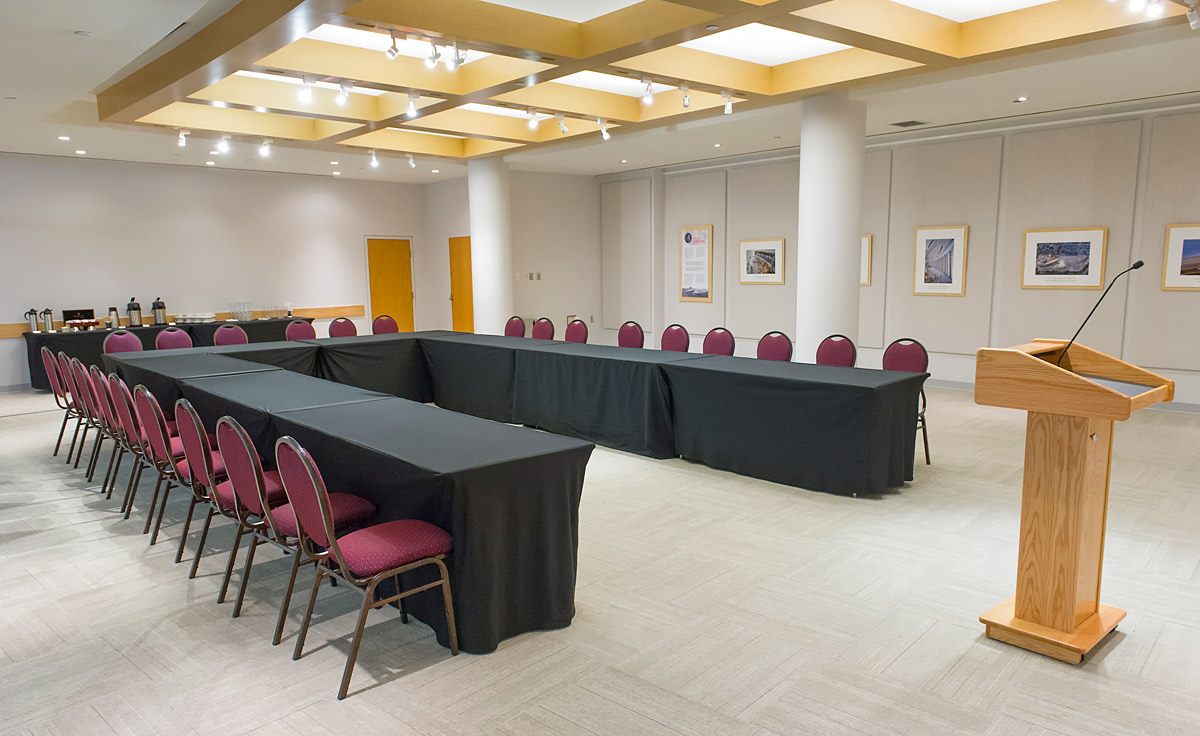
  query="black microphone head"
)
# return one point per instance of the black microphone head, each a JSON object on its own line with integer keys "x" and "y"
{"x": 1138, "y": 264}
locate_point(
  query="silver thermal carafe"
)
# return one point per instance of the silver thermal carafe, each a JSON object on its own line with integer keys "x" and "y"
{"x": 160, "y": 311}
{"x": 113, "y": 319}
{"x": 134, "y": 311}
{"x": 47, "y": 316}
{"x": 32, "y": 316}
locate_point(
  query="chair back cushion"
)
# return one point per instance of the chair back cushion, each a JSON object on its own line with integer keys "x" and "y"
{"x": 305, "y": 491}
{"x": 342, "y": 327}
{"x": 243, "y": 467}
{"x": 576, "y": 331}
{"x": 676, "y": 339}
{"x": 631, "y": 335}
{"x": 718, "y": 341}
{"x": 230, "y": 335}
{"x": 172, "y": 338}
{"x": 906, "y": 354}
{"x": 149, "y": 413}
{"x": 384, "y": 325}
{"x": 299, "y": 330}
{"x": 104, "y": 399}
{"x": 514, "y": 327}
{"x": 122, "y": 341}
{"x": 837, "y": 350}
{"x": 197, "y": 452}
{"x": 543, "y": 329}
{"x": 51, "y": 366}
{"x": 83, "y": 382}
{"x": 775, "y": 346}
{"x": 123, "y": 405}
{"x": 68, "y": 376}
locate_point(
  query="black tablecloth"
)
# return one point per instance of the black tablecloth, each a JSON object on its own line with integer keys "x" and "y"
{"x": 617, "y": 397}
{"x": 509, "y": 496}
{"x": 475, "y": 374}
{"x": 257, "y": 330}
{"x": 393, "y": 364}
{"x": 162, "y": 370}
{"x": 298, "y": 356}
{"x": 846, "y": 430}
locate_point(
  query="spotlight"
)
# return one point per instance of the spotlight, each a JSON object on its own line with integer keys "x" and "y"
{"x": 432, "y": 60}
{"x": 394, "y": 50}
{"x": 455, "y": 58}
{"x": 412, "y": 164}
{"x": 305, "y": 93}
{"x": 374, "y": 160}
{"x": 687, "y": 95}
{"x": 728, "y": 101}
{"x": 648, "y": 95}
{"x": 604, "y": 134}
{"x": 1193, "y": 16}
{"x": 223, "y": 144}
{"x": 1137, "y": 5}
{"x": 343, "y": 93}
{"x": 412, "y": 104}
{"x": 265, "y": 149}
{"x": 533, "y": 121}
{"x": 182, "y": 140}
{"x": 562, "y": 123}
{"x": 1154, "y": 9}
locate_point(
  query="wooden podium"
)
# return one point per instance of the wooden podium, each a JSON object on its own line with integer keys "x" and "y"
{"x": 1064, "y": 498}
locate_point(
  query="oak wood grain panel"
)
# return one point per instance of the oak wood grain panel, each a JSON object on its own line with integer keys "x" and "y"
{"x": 1018, "y": 380}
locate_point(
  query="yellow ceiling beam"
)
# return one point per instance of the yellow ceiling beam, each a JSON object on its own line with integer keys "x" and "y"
{"x": 473, "y": 147}
{"x": 409, "y": 141}
{"x": 680, "y": 62}
{"x": 486, "y": 125}
{"x": 244, "y": 122}
{"x": 834, "y": 69}
{"x": 284, "y": 96}
{"x": 632, "y": 25}
{"x": 887, "y": 21}
{"x": 575, "y": 100}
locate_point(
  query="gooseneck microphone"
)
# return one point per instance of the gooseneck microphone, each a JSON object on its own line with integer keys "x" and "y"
{"x": 1134, "y": 267}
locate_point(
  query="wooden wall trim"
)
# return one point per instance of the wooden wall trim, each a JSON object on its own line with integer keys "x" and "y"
{"x": 17, "y": 329}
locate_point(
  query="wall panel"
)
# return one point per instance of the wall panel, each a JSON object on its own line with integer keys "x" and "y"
{"x": 762, "y": 205}
{"x": 694, "y": 199}
{"x": 876, "y": 207}
{"x": 627, "y": 252}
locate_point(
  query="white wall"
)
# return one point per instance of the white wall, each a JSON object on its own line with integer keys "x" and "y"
{"x": 447, "y": 215}
{"x": 199, "y": 238}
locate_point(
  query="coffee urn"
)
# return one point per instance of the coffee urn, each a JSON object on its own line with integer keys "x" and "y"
{"x": 113, "y": 319}
{"x": 47, "y": 316}
{"x": 32, "y": 316}
{"x": 134, "y": 311}
{"x": 160, "y": 311}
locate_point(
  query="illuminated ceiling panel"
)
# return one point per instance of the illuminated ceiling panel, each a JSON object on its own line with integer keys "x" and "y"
{"x": 415, "y": 48}
{"x": 511, "y": 112}
{"x": 764, "y": 45}
{"x": 613, "y": 83}
{"x": 962, "y": 11}
{"x": 299, "y": 82}
{"x": 578, "y": 11}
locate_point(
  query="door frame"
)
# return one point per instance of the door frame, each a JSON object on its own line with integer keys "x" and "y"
{"x": 412, "y": 269}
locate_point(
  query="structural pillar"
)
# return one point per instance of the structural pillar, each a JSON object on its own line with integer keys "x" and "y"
{"x": 832, "y": 147}
{"x": 491, "y": 243}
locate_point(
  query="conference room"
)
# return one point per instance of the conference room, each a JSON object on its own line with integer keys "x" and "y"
{"x": 600, "y": 367}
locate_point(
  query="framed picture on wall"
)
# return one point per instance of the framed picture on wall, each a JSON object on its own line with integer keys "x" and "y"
{"x": 1181, "y": 262}
{"x": 695, "y": 263}
{"x": 940, "y": 261}
{"x": 1064, "y": 258}
{"x": 761, "y": 261}
{"x": 864, "y": 265}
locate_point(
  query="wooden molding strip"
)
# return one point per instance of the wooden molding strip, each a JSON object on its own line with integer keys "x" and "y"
{"x": 17, "y": 329}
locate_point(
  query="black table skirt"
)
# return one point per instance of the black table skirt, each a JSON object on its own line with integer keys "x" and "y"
{"x": 257, "y": 330}
{"x": 475, "y": 374}
{"x": 392, "y": 364}
{"x": 845, "y": 430}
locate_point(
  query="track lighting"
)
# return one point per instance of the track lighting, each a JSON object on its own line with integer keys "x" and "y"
{"x": 223, "y": 144}
{"x": 604, "y": 134}
{"x": 412, "y": 104}
{"x": 182, "y": 140}
{"x": 412, "y": 164}
{"x": 1193, "y": 16}
{"x": 265, "y": 149}
{"x": 562, "y": 123}
{"x": 456, "y": 58}
{"x": 432, "y": 60}
{"x": 394, "y": 50}
{"x": 687, "y": 95}
{"x": 305, "y": 93}
{"x": 728, "y": 101}
{"x": 343, "y": 93}
{"x": 374, "y": 160}
{"x": 533, "y": 121}
{"x": 648, "y": 95}
{"x": 1154, "y": 9}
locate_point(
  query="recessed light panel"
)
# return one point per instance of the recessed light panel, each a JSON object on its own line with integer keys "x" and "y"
{"x": 417, "y": 48}
{"x": 578, "y": 11}
{"x": 965, "y": 10}
{"x": 501, "y": 110}
{"x": 613, "y": 83}
{"x": 766, "y": 45}
{"x": 299, "y": 82}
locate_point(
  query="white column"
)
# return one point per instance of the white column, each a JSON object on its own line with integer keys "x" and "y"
{"x": 491, "y": 244}
{"x": 832, "y": 148}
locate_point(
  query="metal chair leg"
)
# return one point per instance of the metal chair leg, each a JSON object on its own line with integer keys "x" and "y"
{"x": 94, "y": 460}
{"x": 287, "y": 599}
{"x": 82, "y": 442}
{"x": 187, "y": 525}
{"x": 154, "y": 502}
{"x": 448, "y": 602}
{"x": 925, "y": 439}
{"x": 62, "y": 430}
{"x": 116, "y": 471}
{"x": 134, "y": 481}
{"x": 200, "y": 547}
{"x": 367, "y": 605}
{"x": 112, "y": 457}
{"x": 241, "y": 596}
{"x": 74, "y": 437}
{"x": 237, "y": 542}
{"x": 312, "y": 601}
{"x": 161, "y": 510}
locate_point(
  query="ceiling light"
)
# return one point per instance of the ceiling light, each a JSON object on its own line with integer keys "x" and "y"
{"x": 687, "y": 95}
{"x": 1022, "y": 98}
{"x": 81, "y": 153}
{"x": 1137, "y": 5}
{"x": 181, "y": 141}
{"x": 343, "y": 93}
{"x": 604, "y": 134}
{"x": 455, "y": 58}
{"x": 648, "y": 95}
{"x": 374, "y": 160}
{"x": 412, "y": 164}
{"x": 712, "y": 28}
{"x": 624, "y": 160}
{"x": 562, "y": 123}
{"x": 305, "y": 93}
{"x": 728, "y": 101}
{"x": 393, "y": 51}
{"x": 214, "y": 152}
{"x": 533, "y": 120}
{"x": 265, "y": 149}
{"x": 412, "y": 104}
{"x": 432, "y": 60}
{"x": 1154, "y": 9}
{"x": 64, "y": 137}
{"x": 1193, "y": 16}
{"x": 223, "y": 144}
{"x": 337, "y": 173}
{"x": 333, "y": 163}
{"x": 435, "y": 171}
{"x": 210, "y": 163}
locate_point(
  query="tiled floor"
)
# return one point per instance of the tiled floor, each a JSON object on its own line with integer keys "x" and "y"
{"x": 707, "y": 604}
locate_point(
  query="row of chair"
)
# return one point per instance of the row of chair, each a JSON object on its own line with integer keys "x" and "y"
{"x": 124, "y": 341}
{"x": 289, "y": 508}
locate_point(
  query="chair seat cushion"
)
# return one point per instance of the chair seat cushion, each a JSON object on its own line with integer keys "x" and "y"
{"x": 348, "y": 510}
{"x": 272, "y": 486}
{"x": 185, "y": 472}
{"x": 172, "y": 428}
{"x": 392, "y": 544}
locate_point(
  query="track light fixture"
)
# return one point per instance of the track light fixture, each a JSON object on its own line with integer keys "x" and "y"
{"x": 533, "y": 120}
{"x": 434, "y": 55}
{"x": 182, "y": 140}
{"x": 305, "y": 93}
{"x": 604, "y": 134}
{"x": 412, "y": 103}
{"x": 1154, "y": 9}
{"x": 223, "y": 144}
{"x": 412, "y": 164}
{"x": 374, "y": 160}
{"x": 394, "y": 50}
{"x": 265, "y": 149}
{"x": 1193, "y": 16}
{"x": 648, "y": 95}
{"x": 687, "y": 95}
{"x": 562, "y": 123}
{"x": 728, "y": 101}
{"x": 343, "y": 93}
{"x": 456, "y": 58}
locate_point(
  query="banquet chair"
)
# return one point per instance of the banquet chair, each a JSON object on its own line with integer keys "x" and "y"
{"x": 907, "y": 354}
{"x": 106, "y": 426}
{"x": 162, "y": 453}
{"x": 135, "y": 440}
{"x": 230, "y": 335}
{"x": 577, "y": 331}
{"x": 775, "y": 346}
{"x": 718, "y": 341}
{"x": 676, "y": 339}
{"x": 122, "y": 341}
{"x": 172, "y": 338}
{"x": 116, "y": 430}
{"x": 384, "y": 325}
{"x": 299, "y": 330}
{"x": 68, "y": 376}
{"x": 631, "y": 335}
{"x": 543, "y": 329}
{"x": 262, "y": 510}
{"x": 837, "y": 350}
{"x": 363, "y": 558}
{"x": 514, "y": 327}
{"x": 342, "y": 327}
{"x": 91, "y": 411}
{"x": 61, "y": 397}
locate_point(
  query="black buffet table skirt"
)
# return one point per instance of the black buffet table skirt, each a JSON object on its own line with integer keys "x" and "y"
{"x": 298, "y": 356}
{"x": 392, "y": 364}
{"x": 845, "y": 430}
{"x": 257, "y": 330}
{"x": 162, "y": 370}
{"x": 617, "y": 397}
{"x": 475, "y": 374}
{"x": 509, "y": 496}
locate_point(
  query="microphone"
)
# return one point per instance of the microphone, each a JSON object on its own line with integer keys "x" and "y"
{"x": 1134, "y": 267}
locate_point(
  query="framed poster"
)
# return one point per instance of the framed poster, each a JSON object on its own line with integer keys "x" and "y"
{"x": 695, "y": 263}
{"x": 762, "y": 261}
{"x": 940, "y": 265}
{"x": 864, "y": 265}
{"x": 1063, "y": 258}
{"x": 1181, "y": 262}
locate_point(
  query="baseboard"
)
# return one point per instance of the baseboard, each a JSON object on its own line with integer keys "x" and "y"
{"x": 955, "y": 385}
{"x": 19, "y": 387}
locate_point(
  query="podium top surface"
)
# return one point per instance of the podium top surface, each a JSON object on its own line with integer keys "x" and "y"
{"x": 1089, "y": 383}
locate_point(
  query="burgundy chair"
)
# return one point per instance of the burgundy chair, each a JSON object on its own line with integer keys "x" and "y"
{"x": 116, "y": 427}
{"x": 342, "y": 327}
{"x": 263, "y": 512}
{"x": 110, "y": 427}
{"x": 68, "y": 376}
{"x": 131, "y": 430}
{"x": 91, "y": 412}
{"x": 907, "y": 354}
{"x": 228, "y": 334}
{"x": 543, "y": 329}
{"x": 576, "y": 331}
{"x": 163, "y": 452}
{"x": 200, "y": 470}
{"x": 514, "y": 327}
{"x": 172, "y": 338}
{"x": 299, "y": 330}
{"x": 384, "y": 325}
{"x": 837, "y": 350}
{"x": 676, "y": 339}
{"x": 61, "y": 397}
{"x": 631, "y": 335}
{"x": 122, "y": 341}
{"x": 364, "y": 558}
{"x": 775, "y": 346}
{"x": 718, "y": 341}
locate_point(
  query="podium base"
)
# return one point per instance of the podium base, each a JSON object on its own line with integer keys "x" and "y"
{"x": 1068, "y": 646}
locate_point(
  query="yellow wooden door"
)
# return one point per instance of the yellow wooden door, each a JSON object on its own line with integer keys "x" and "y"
{"x": 389, "y": 268}
{"x": 462, "y": 295}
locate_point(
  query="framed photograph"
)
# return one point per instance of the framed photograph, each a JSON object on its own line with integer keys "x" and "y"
{"x": 1064, "y": 258}
{"x": 695, "y": 263}
{"x": 1181, "y": 262}
{"x": 864, "y": 265}
{"x": 940, "y": 266}
{"x": 761, "y": 261}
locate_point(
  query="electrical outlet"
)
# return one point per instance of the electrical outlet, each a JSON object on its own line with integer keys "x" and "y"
{"x": 539, "y": 276}
{"x": 591, "y": 318}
